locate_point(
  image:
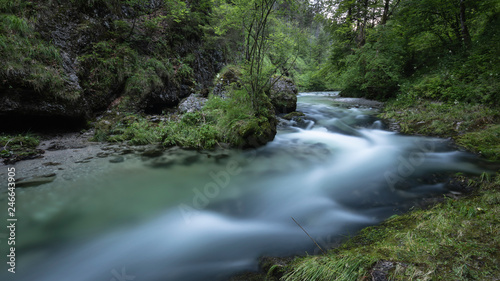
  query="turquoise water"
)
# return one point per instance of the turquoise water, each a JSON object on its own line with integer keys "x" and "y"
{"x": 189, "y": 215}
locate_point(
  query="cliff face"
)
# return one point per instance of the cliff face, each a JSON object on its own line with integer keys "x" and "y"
{"x": 68, "y": 61}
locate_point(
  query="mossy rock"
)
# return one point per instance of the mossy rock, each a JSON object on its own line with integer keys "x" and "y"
{"x": 294, "y": 115}
{"x": 283, "y": 94}
{"x": 255, "y": 132}
{"x": 229, "y": 75}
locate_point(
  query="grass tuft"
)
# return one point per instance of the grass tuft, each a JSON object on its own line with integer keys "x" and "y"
{"x": 329, "y": 268}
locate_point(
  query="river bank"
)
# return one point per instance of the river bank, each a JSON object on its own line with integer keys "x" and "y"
{"x": 456, "y": 239}
{"x": 418, "y": 245}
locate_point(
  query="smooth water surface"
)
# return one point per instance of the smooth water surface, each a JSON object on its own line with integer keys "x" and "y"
{"x": 207, "y": 215}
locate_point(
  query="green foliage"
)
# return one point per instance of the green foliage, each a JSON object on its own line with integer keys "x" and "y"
{"x": 374, "y": 70}
{"x": 90, "y": 3}
{"x": 148, "y": 77}
{"x": 107, "y": 66}
{"x": 18, "y": 147}
{"x": 12, "y": 6}
{"x": 430, "y": 49}
{"x": 486, "y": 142}
{"x": 231, "y": 120}
{"x": 194, "y": 130}
{"x": 230, "y": 112}
{"x": 113, "y": 66}
{"x": 329, "y": 268}
{"x": 132, "y": 128}
{"x": 29, "y": 61}
{"x": 439, "y": 119}
{"x": 267, "y": 43}
{"x": 139, "y": 132}
{"x": 454, "y": 240}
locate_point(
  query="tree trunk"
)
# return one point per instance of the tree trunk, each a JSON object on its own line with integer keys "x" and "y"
{"x": 362, "y": 31}
{"x": 465, "y": 30}
{"x": 385, "y": 14}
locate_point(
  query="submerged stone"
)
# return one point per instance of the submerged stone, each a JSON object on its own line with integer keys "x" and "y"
{"x": 36, "y": 181}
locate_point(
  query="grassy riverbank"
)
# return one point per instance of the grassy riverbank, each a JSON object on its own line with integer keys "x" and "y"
{"x": 457, "y": 239}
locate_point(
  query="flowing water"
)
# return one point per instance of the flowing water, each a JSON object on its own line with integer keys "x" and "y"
{"x": 190, "y": 215}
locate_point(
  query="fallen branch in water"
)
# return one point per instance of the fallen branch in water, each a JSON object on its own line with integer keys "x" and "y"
{"x": 309, "y": 236}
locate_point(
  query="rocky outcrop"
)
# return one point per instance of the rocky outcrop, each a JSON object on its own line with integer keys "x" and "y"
{"x": 24, "y": 108}
{"x": 256, "y": 131}
{"x": 192, "y": 103}
{"x": 283, "y": 94}
{"x": 101, "y": 54}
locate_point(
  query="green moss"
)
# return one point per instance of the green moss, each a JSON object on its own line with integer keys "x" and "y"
{"x": 454, "y": 240}
{"x": 135, "y": 129}
{"x": 229, "y": 120}
{"x": 229, "y": 74}
{"x": 18, "y": 147}
{"x": 194, "y": 130}
{"x": 29, "y": 61}
{"x": 329, "y": 268}
{"x": 472, "y": 126}
{"x": 293, "y": 115}
{"x": 486, "y": 142}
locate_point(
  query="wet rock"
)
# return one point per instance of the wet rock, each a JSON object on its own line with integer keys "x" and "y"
{"x": 126, "y": 151}
{"x": 51, "y": 164}
{"x": 85, "y": 160}
{"x": 190, "y": 160}
{"x": 156, "y": 101}
{"x": 162, "y": 162}
{"x": 102, "y": 155}
{"x": 153, "y": 152}
{"x": 117, "y": 159}
{"x": 256, "y": 133}
{"x": 283, "y": 95}
{"x": 55, "y": 146}
{"x": 381, "y": 270}
{"x": 36, "y": 181}
{"x": 294, "y": 115}
{"x": 192, "y": 103}
{"x": 359, "y": 102}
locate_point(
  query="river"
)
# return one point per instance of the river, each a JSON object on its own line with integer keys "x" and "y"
{"x": 188, "y": 215}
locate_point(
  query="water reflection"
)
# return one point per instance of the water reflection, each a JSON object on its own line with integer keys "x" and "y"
{"x": 204, "y": 216}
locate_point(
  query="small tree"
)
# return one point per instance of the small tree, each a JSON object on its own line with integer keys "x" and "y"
{"x": 253, "y": 18}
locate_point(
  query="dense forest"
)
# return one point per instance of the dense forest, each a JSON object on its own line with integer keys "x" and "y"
{"x": 145, "y": 56}
{"x": 440, "y": 50}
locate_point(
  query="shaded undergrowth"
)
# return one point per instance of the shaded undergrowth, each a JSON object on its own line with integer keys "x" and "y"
{"x": 473, "y": 126}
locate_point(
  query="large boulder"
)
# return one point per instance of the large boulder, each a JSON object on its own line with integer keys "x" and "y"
{"x": 255, "y": 132}
{"x": 192, "y": 103}
{"x": 283, "y": 94}
{"x": 259, "y": 130}
{"x": 230, "y": 75}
